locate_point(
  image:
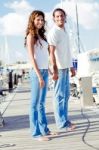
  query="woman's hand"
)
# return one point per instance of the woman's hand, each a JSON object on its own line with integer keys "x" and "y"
{"x": 41, "y": 82}
{"x": 55, "y": 76}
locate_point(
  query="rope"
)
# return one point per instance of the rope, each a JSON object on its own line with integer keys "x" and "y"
{"x": 86, "y": 131}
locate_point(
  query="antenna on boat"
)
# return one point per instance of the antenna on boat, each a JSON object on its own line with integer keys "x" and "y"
{"x": 6, "y": 51}
{"x": 77, "y": 27}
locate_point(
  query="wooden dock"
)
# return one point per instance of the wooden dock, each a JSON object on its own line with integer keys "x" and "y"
{"x": 15, "y": 135}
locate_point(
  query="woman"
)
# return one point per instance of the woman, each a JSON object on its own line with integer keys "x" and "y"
{"x": 37, "y": 46}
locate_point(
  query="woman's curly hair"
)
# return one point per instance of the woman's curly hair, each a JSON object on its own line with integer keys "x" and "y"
{"x": 32, "y": 29}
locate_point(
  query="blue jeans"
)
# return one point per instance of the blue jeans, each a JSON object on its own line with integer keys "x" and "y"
{"x": 62, "y": 93}
{"x": 38, "y": 121}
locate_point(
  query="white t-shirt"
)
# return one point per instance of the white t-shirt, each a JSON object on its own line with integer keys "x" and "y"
{"x": 58, "y": 37}
{"x": 41, "y": 54}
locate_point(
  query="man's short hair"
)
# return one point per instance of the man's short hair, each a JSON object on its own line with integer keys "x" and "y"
{"x": 58, "y": 9}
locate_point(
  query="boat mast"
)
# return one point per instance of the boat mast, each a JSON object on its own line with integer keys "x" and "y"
{"x": 77, "y": 23}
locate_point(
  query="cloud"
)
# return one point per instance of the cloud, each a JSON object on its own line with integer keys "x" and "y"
{"x": 49, "y": 19}
{"x": 20, "y": 6}
{"x": 14, "y": 23}
{"x": 87, "y": 12}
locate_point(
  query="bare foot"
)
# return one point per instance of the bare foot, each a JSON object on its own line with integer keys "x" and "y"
{"x": 52, "y": 133}
{"x": 71, "y": 127}
{"x": 43, "y": 138}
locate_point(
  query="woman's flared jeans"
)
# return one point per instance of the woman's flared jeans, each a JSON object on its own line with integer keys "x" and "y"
{"x": 38, "y": 121}
{"x": 62, "y": 93}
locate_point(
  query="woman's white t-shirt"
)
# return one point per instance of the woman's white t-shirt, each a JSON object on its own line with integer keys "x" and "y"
{"x": 41, "y": 54}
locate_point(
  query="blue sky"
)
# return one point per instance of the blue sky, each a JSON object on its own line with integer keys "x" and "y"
{"x": 14, "y": 15}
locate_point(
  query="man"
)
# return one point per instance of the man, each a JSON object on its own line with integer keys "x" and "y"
{"x": 61, "y": 61}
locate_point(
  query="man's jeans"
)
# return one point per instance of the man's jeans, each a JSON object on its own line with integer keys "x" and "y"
{"x": 62, "y": 93}
{"x": 38, "y": 122}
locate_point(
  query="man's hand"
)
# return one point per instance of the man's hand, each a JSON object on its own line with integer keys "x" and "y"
{"x": 55, "y": 73}
{"x": 73, "y": 73}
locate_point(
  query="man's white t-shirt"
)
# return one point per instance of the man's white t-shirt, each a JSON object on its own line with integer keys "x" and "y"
{"x": 58, "y": 37}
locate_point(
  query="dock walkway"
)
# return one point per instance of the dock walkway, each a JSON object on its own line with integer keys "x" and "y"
{"x": 15, "y": 135}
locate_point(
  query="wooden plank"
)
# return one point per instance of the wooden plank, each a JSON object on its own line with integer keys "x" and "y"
{"x": 15, "y": 135}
